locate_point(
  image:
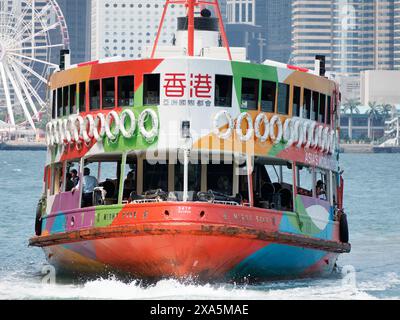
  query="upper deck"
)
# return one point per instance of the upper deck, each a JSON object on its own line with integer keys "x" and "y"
{"x": 223, "y": 102}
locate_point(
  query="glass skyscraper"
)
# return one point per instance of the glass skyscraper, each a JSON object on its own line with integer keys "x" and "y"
{"x": 77, "y": 16}
{"x": 396, "y": 22}
{"x": 354, "y": 36}
{"x": 262, "y": 26}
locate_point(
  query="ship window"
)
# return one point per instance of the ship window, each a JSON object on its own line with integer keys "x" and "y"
{"x": 283, "y": 98}
{"x": 305, "y": 181}
{"x": 322, "y": 108}
{"x": 54, "y": 104}
{"x": 307, "y": 104}
{"x": 268, "y": 96}
{"x": 94, "y": 94}
{"x": 151, "y": 89}
{"x": 223, "y": 90}
{"x": 59, "y": 102}
{"x": 250, "y": 93}
{"x": 220, "y": 178}
{"x": 315, "y": 103}
{"x": 57, "y": 179}
{"x": 82, "y": 97}
{"x": 296, "y": 101}
{"x": 106, "y": 174}
{"x": 155, "y": 177}
{"x": 329, "y": 111}
{"x": 194, "y": 178}
{"x": 273, "y": 184}
{"x": 126, "y": 86}
{"x": 108, "y": 97}
{"x": 65, "y": 101}
{"x": 130, "y": 180}
{"x": 322, "y": 184}
{"x": 72, "y": 176}
{"x": 72, "y": 99}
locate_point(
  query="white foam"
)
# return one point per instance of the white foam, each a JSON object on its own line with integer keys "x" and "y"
{"x": 175, "y": 290}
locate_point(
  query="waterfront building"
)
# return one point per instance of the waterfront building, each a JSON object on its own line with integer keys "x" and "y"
{"x": 360, "y": 126}
{"x": 380, "y": 86}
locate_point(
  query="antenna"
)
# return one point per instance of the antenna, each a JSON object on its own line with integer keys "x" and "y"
{"x": 191, "y": 5}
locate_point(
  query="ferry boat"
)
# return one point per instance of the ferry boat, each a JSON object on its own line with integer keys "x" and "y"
{"x": 193, "y": 163}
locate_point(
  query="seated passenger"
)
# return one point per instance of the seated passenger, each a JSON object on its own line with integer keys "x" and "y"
{"x": 223, "y": 185}
{"x": 75, "y": 177}
{"x": 88, "y": 185}
{"x": 109, "y": 188}
{"x": 69, "y": 184}
{"x": 129, "y": 184}
{"x": 320, "y": 190}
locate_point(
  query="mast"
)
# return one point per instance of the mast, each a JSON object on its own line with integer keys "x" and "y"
{"x": 191, "y": 5}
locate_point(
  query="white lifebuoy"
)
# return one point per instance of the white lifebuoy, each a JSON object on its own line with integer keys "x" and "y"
{"x": 294, "y": 132}
{"x": 70, "y": 127}
{"x": 332, "y": 144}
{"x": 112, "y": 117}
{"x": 287, "y": 131}
{"x": 276, "y": 121}
{"x": 320, "y": 137}
{"x": 307, "y": 139}
{"x": 87, "y": 132}
{"x": 311, "y": 134}
{"x": 128, "y": 133}
{"x": 54, "y": 133}
{"x": 300, "y": 132}
{"x": 99, "y": 127}
{"x": 250, "y": 129}
{"x": 60, "y": 131}
{"x": 153, "y": 133}
{"x": 314, "y": 130}
{"x": 328, "y": 140}
{"x": 262, "y": 118}
{"x": 216, "y": 129}
{"x": 49, "y": 139}
{"x": 67, "y": 133}
{"x": 78, "y": 128}
{"x": 325, "y": 142}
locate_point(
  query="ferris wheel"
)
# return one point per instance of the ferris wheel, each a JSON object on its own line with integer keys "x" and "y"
{"x": 32, "y": 33}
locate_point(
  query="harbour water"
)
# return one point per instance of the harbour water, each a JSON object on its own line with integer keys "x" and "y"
{"x": 372, "y": 199}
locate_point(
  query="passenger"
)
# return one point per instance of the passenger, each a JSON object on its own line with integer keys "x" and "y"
{"x": 89, "y": 183}
{"x": 75, "y": 177}
{"x": 223, "y": 185}
{"x": 69, "y": 184}
{"x": 320, "y": 190}
{"x": 129, "y": 182}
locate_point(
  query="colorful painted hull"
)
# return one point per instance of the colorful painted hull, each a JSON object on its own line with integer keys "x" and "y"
{"x": 202, "y": 241}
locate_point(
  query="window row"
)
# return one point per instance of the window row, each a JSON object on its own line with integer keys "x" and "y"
{"x": 109, "y": 93}
{"x": 275, "y": 98}
{"x": 103, "y": 94}
{"x": 272, "y": 182}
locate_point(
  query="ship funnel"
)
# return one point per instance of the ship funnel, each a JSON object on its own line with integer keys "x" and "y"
{"x": 196, "y": 32}
{"x": 206, "y": 32}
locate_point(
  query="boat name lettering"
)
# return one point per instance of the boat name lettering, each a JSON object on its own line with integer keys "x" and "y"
{"x": 185, "y": 210}
{"x": 244, "y": 217}
{"x": 270, "y": 220}
{"x": 199, "y": 86}
{"x": 313, "y": 159}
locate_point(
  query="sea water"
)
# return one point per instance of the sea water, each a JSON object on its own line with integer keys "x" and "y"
{"x": 370, "y": 271}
